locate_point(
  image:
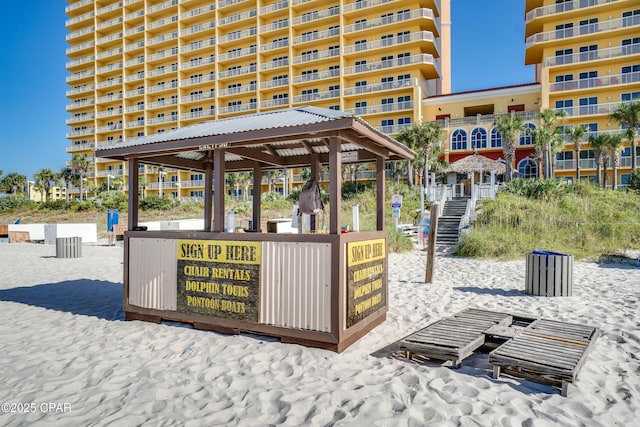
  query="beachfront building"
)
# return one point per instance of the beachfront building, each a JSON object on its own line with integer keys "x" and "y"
{"x": 142, "y": 67}
{"x": 587, "y": 59}
{"x": 37, "y": 194}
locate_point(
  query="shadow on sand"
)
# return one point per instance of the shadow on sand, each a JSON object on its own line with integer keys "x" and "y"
{"x": 95, "y": 298}
{"x": 491, "y": 291}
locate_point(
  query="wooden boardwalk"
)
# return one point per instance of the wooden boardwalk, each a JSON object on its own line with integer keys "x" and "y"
{"x": 547, "y": 351}
{"x": 454, "y": 338}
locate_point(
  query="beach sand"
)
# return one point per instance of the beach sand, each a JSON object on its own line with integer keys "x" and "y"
{"x": 68, "y": 357}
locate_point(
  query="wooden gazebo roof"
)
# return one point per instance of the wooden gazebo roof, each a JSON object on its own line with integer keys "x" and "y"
{"x": 471, "y": 164}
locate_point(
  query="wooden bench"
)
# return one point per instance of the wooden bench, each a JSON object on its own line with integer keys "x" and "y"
{"x": 4, "y": 230}
{"x": 118, "y": 231}
{"x": 19, "y": 237}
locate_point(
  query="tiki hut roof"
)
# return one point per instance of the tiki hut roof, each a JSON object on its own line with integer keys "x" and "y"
{"x": 470, "y": 164}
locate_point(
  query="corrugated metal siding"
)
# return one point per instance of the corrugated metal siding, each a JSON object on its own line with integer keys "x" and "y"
{"x": 296, "y": 285}
{"x": 153, "y": 273}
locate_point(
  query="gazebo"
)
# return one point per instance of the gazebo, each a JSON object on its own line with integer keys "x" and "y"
{"x": 477, "y": 163}
{"x": 318, "y": 289}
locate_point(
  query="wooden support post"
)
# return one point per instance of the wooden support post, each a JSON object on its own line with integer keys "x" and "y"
{"x": 218, "y": 195}
{"x": 208, "y": 192}
{"x": 133, "y": 193}
{"x": 257, "y": 195}
{"x": 315, "y": 174}
{"x": 335, "y": 184}
{"x": 380, "y": 189}
{"x": 433, "y": 235}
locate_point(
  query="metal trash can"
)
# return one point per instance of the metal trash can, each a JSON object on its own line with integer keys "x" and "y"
{"x": 68, "y": 247}
{"x": 549, "y": 274}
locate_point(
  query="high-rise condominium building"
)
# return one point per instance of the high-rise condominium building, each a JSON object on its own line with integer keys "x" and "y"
{"x": 140, "y": 67}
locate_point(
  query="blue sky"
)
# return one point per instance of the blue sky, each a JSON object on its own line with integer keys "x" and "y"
{"x": 487, "y": 51}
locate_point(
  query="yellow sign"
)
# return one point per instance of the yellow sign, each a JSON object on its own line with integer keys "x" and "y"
{"x": 223, "y": 251}
{"x": 367, "y": 251}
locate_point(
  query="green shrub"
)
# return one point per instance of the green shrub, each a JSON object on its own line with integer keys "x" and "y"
{"x": 112, "y": 200}
{"x": 54, "y": 205}
{"x": 84, "y": 206}
{"x": 634, "y": 181}
{"x": 155, "y": 203}
{"x": 12, "y": 201}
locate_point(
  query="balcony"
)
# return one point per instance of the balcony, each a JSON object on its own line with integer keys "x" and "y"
{"x": 283, "y": 23}
{"x": 381, "y": 87}
{"x": 110, "y": 128}
{"x": 316, "y": 96}
{"x": 162, "y": 22}
{"x": 134, "y": 46}
{"x": 77, "y": 5}
{"x": 393, "y": 129}
{"x": 320, "y": 35}
{"x": 489, "y": 119}
{"x": 109, "y": 8}
{"x": 109, "y": 68}
{"x": 237, "y": 90}
{"x": 278, "y": 102}
{"x": 583, "y": 30}
{"x": 161, "y": 71}
{"x": 595, "y": 82}
{"x": 381, "y": 108}
{"x": 82, "y": 132}
{"x": 80, "y": 47}
{"x": 164, "y": 119}
{"x": 311, "y": 77}
{"x": 109, "y": 98}
{"x": 593, "y": 55}
{"x": 227, "y": 3}
{"x": 315, "y": 56}
{"x": 79, "y": 33}
{"x": 78, "y": 19}
{"x": 109, "y": 38}
{"x": 237, "y": 54}
{"x": 80, "y": 61}
{"x": 135, "y": 124}
{"x": 134, "y": 15}
{"x": 162, "y": 6}
{"x": 110, "y": 52}
{"x": 274, "y": 83}
{"x": 237, "y": 35}
{"x": 274, "y": 45}
{"x": 237, "y": 108}
{"x": 135, "y": 30}
{"x": 80, "y": 75}
{"x": 109, "y": 23}
{"x": 81, "y": 89}
{"x": 589, "y": 110}
{"x": 135, "y": 92}
{"x": 365, "y": 4}
{"x": 193, "y": 46}
{"x": 422, "y": 59}
{"x": 161, "y": 87}
{"x": 420, "y": 36}
{"x": 197, "y": 80}
{"x": 162, "y": 54}
{"x": 163, "y": 38}
{"x": 316, "y": 15}
{"x": 562, "y": 8}
{"x": 422, "y": 13}
{"x": 237, "y": 71}
{"x": 110, "y": 113}
{"x": 237, "y": 17}
{"x": 197, "y": 12}
{"x": 279, "y": 5}
{"x": 274, "y": 64}
{"x": 81, "y": 118}
{"x": 135, "y": 108}
{"x": 195, "y": 29}
{"x": 136, "y": 76}
{"x": 198, "y": 114}
{"x": 80, "y": 147}
{"x": 198, "y": 97}
{"x": 162, "y": 104}
{"x": 109, "y": 82}
{"x": 197, "y": 62}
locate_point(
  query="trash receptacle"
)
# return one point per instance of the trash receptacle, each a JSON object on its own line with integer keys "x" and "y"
{"x": 549, "y": 274}
{"x": 68, "y": 247}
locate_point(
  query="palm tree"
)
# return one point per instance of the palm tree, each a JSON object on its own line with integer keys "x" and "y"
{"x": 615, "y": 144}
{"x": 627, "y": 114}
{"x": 80, "y": 164}
{"x": 576, "y": 134}
{"x": 14, "y": 182}
{"x": 599, "y": 144}
{"x": 44, "y": 178}
{"x": 66, "y": 175}
{"x": 548, "y": 139}
{"x": 510, "y": 127}
{"x": 423, "y": 138}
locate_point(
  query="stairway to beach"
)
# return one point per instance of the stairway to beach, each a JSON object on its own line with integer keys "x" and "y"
{"x": 449, "y": 222}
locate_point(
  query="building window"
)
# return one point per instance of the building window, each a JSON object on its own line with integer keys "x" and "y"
{"x": 565, "y": 105}
{"x": 496, "y": 138}
{"x": 588, "y": 106}
{"x": 626, "y": 97}
{"x": 459, "y": 139}
{"x": 526, "y": 138}
{"x": 478, "y": 138}
{"x": 589, "y": 53}
{"x": 527, "y": 169}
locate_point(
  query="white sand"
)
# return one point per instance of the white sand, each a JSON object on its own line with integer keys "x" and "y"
{"x": 63, "y": 341}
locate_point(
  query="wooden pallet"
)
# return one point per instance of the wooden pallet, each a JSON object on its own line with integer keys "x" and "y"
{"x": 454, "y": 338}
{"x": 547, "y": 351}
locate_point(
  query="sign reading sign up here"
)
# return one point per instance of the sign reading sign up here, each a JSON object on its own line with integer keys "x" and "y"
{"x": 219, "y": 278}
{"x": 366, "y": 279}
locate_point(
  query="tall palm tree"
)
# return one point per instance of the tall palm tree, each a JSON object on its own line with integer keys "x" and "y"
{"x": 576, "y": 134}
{"x": 615, "y": 144}
{"x": 548, "y": 139}
{"x": 423, "y": 138}
{"x": 44, "y": 178}
{"x": 80, "y": 165}
{"x": 510, "y": 127}
{"x": 627, "y": 114}
{"x": 599, "y": 144}
{"x": 66, "y": 176}
{"x": 14, "y": 182}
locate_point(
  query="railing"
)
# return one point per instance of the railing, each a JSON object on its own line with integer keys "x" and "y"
{"x": 81, "y": 89}
{"x": 80, "y": 147}
{"x": 80, "y": 118}
{"x": 80, "y": 47}
{"x": 304, "y": 38}
{"x": 80, "y": 75}
{"x": 135, "y": 30}
{"x": 109, "y": 8}
{"x": 237, "y": 89}
{"x": 80, "y": 132}
{"x": 274, "y": 7}
{"x": 237, "y": 53}
{"x": 589, "y": 110}
{"x": 237, "y": 108}
{"x": 398, "y": 62}
{"x": 110, "y": 82}
{"x": 79, "y": 33}
{"x": 198, "y": 114}
{"x": 161, "y": 6}
{"x": 135, "y": 124}
{"x": 158, "y": 88}
{"x": 163, "y": 70}
{"x": 135, "y": 92}
{"x": 198, "y": 11}
{"x": 284, "y": 23}
{"x": 381, "y": 108}
{"x": 79, "y": 104}
{"x": 593, "y": 55}
{"x": 583, "y": 30}
{"x": 133, "y": 46}
{"x": 490, "y": 118}
{"x": 195, "y": 80}
{"x": 237, "y": 71}
{"x": 309, "y": 77}
{"x": 110, "y": 52}
{"x": 109, "y": 23}
{"x": 198, "y": 45}
{"x": 315, "y": 15}
{"x": 275, "y": 64}
{"x": 237, "y": 35}
{"x": 563, "y": 7}
{"x": 164, "y": 21}
{"x": 83, "y": 17}
{"x": 314, "y": 56}
{"x": 274, "y": 45}
{"x": 327, "y": 94}
{"x": 274, "y": 83}
{"x": 386, "y": 20}
{"x": 163, "y": 119}
{"x": 226, "y": 3}
{"x": 392, "y": 129}
{"x": 160, "y": 104}
{"x": 163, "y": 38}
{"x": 378, "y": 87}
{"x": 80, "y": 61}
{"x": 133, "y": 15}
{"x": 109, "y": 98}
{"x": 134, "y": 108}
{"x": 594, "y": 82}
{"x": 198, "y": 97}
{"x": 391, "y": 41}
{"x": 162, "y": 54}
{"x": 274, "y": 102}
{"x": 197, "y": 63}
{"x": 77, "y": 5}
{"x": 110, "y": 67}
{"x": 198, "y": 28}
